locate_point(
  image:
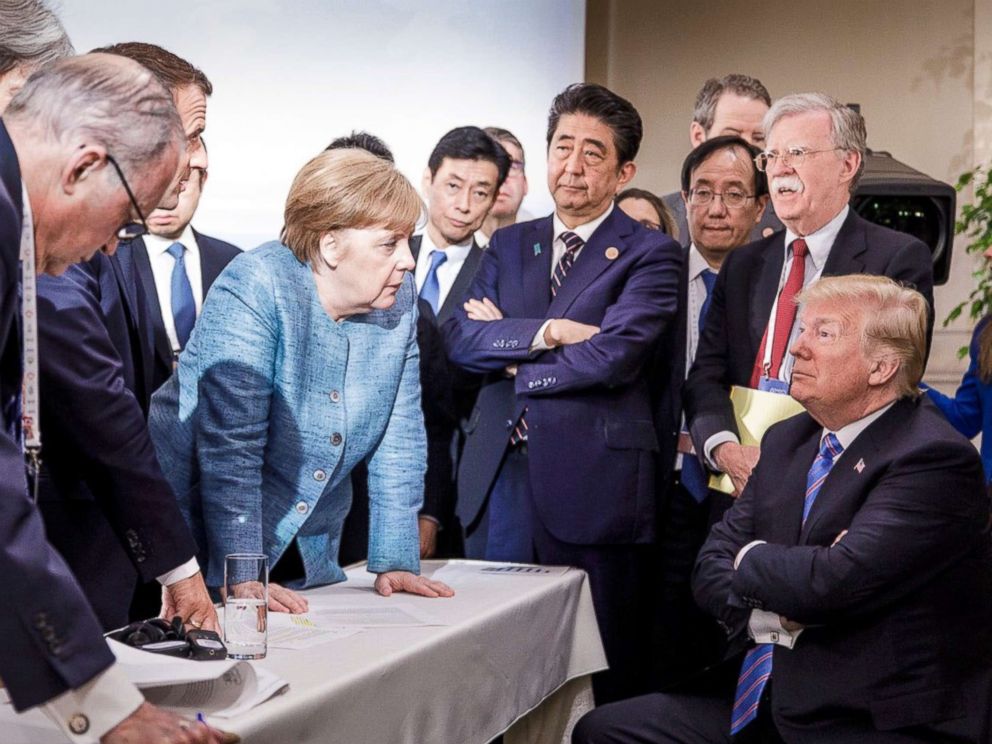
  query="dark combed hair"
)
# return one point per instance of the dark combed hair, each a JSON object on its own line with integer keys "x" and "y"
{"x": 363, "y": 141}
{"x": 600, "y": 103}
{"x": 723, "y": 142}
{"x": 470, "y": 143}
{"x": 172, "y": 71}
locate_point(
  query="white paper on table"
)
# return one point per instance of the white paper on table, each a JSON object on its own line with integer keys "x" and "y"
{"x": 335, "y": 611}
{"x": 301, "y": 631}
{"x": 461, "y": 572}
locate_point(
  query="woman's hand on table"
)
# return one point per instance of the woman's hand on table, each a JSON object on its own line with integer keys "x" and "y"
{"x": 404, "y": 581}
{"x": 282, "y": 599}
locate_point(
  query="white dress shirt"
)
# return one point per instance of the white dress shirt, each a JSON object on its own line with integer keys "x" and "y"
{"x": 818, "y": 246}
{"x": 764, "y": 626}
{"x": 446, "y": 272}
{"x": 162, "y": 265}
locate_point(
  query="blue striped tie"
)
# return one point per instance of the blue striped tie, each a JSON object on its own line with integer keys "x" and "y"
{"x": 757, "y": 666}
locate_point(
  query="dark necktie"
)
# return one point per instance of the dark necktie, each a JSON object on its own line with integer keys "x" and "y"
{"x": 693, "y": 476}
{"x": 430, "y": 292}
{"x": 757, "y": 667}
{"x": 573, "y": 243}
{"x": 785, "y": 315}
{"x": 183, "y": 306}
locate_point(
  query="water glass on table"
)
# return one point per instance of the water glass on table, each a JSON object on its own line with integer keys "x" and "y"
{"x": 246, "y": 598}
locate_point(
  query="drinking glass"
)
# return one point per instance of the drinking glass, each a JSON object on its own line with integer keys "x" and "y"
{"x": 246, "y": 599}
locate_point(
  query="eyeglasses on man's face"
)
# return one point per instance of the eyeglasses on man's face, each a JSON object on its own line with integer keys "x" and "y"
{"x": 129, "y": 230}
{"x": 732, "y": 198}
{"x": 793, "y": 157}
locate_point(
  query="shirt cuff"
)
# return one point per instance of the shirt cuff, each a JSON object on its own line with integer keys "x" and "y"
{"x": 766, "y": 627}
{"x": 538, "y": 344}
{"x": 713, "y": 442}
{"x": 189, "y": 568}
{"x": 744, "y": 551}
{"x": 430, "y": 518}
{"x": 88, "y": 712}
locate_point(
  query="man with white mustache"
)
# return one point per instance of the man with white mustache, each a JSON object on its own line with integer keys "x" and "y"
{"x": 814, "y": 157}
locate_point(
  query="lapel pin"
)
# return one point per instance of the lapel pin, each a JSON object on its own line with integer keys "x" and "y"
{"x": 612, "y": 253}
{"x": 537, "y": 249}
{"x": 860, "y": 467}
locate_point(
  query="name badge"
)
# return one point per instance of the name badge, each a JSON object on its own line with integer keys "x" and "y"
{"x": 771, "y": 385}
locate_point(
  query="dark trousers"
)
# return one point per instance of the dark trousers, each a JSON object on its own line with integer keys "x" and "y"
{"x": 504, "y": 532}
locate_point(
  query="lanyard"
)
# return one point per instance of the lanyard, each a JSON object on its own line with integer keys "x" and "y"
{"x": 30, "y": 400}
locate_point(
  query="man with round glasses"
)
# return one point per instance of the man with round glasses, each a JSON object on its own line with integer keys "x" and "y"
{"x": 813, "y": 158}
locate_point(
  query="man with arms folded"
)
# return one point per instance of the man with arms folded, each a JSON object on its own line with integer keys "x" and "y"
{"x": 62, "y": 197}
{"x": 857, "y": 560}
{"x": 815, "y": 155}
{"x": 563, "y": 316}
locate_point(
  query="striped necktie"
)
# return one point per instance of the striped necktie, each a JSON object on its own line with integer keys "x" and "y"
{"x": 757, "y": 666}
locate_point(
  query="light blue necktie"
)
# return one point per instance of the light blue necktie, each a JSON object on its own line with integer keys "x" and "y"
{"x": 757, "y": 666}
{"x": 693, "y": 476}
{"x": 431, "y": 291}
{"x": 183, "y": 306}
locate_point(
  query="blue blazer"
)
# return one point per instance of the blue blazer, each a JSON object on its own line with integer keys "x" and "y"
{"x": 274, "y": 403}
{"x": 970, "y": 409}
{"x": 591, "y": 436}
{"x": 51, "y": 638}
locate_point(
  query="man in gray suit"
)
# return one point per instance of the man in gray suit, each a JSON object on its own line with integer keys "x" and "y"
{"x": 732, "y": 105}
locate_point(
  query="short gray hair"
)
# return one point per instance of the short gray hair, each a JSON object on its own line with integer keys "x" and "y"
{"x": 894, "y": 320}
{"x": 30, "y": 34}
{"x": 109, "y": 100}
{"x": 745, "y": 86}
{"x": 847, "y": 126}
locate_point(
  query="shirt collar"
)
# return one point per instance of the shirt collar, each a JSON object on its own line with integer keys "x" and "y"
{"x": 455, "y": 252}
{"x": 847, "y": 434}
{"x": 157, "y": 245}
{"x": 820, "y": 242}
{"x": 586, "y": 229}
{"x": 697, "y": 264}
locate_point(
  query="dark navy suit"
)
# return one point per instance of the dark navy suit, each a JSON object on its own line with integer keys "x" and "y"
{"x": 51, "y": 638}
{"x": 214, "y": 256}
{"x": 590, "y": 457}
{"x": 107, "y": 506}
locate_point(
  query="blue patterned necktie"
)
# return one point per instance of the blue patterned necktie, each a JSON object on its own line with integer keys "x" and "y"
{"x": 757, "y": 666}
{"x": 693, "y": 476}
{"x": 430, "y": 292}
{"x": 183, "y": 306}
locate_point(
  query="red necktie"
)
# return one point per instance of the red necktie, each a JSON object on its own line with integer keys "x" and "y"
{"x": 785, "y": 315}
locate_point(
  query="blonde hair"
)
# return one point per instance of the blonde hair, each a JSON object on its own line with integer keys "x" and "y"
{"x": 894, "y": 320}
{"x": 346, "y": 189}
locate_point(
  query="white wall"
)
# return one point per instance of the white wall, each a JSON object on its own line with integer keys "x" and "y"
{"x": 291, "y": 75}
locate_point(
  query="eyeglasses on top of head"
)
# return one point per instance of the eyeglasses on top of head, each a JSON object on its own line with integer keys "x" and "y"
{"x": 732, "y": 199}
{"x": 132, "y": 229}
{"x": 794, "y": 156}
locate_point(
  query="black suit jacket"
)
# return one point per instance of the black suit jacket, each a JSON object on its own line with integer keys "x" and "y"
{"x": 742, "y": 301}
{"x": 107, "y": 506}
{"x": 214, "y": 256}
{"x": 899, "y": 612}
{"x": 51, "y": 638}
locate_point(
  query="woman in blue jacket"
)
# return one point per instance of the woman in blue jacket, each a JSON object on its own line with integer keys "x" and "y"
{"x": 970, "y": 410}
{"x": 304, "y": 363}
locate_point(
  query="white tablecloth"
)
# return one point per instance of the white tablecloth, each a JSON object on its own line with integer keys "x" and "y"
{"x": 511, "y": 642}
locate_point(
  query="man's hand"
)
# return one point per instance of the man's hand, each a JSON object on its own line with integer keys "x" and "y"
{"x": 564, "y": 332}
{"x": 189, "y": 599}
{"x": 404, "y": 581}
{"x": 483, "y": 309}
{"x": 282, "y": 599}
{"x": 428, "y": 537}
{"x": 737, "y": 461}
{"x": 790, "y": 625}
{"x": 151, "y": 724}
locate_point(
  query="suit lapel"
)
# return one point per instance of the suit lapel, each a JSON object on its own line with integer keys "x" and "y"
{"x": 788, "y": 509}
{"x": 143, "y": 272}
{"x": 535, "y": 267}
{"x": 849, "y": 245}
{"x": 592, "y": 262}
{"x": 415, "y": 246}
{"x": 210, "y": 262}
{"x": 461, "y": 284}
{"x": 765, "y": 289}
